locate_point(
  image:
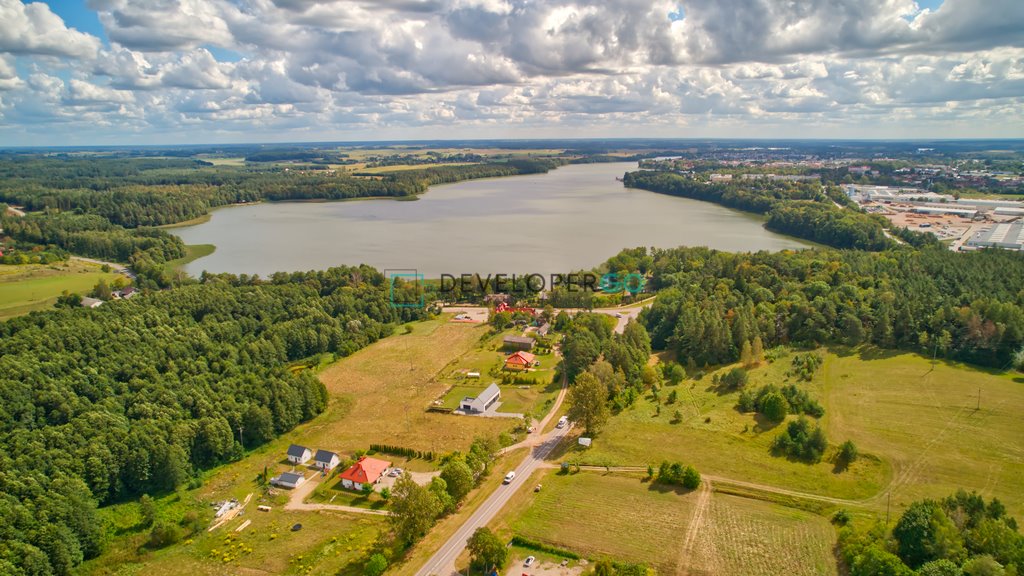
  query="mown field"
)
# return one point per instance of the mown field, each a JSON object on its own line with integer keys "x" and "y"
{"x": 744, "y": 537}
{"x": 29, "y": 287}
{"x": 621, "y": 517}
{"x": 377, "y": 395}
{"x": 605, "y": 516}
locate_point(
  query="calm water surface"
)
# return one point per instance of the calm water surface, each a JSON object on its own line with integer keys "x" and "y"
{"x": 571, "y": 218}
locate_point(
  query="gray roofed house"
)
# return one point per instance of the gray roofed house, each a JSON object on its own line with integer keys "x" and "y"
{"x": 288, "y": 480}
{"x": 482, "y": 402}
{"x": 88, "y": 302}
{"x": 299, "y": 454}
{"x": 518, "y": 343}
{"x": 325, "y": 459}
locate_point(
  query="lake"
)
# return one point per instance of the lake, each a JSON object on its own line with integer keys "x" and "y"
{"x": 572, "y": 218}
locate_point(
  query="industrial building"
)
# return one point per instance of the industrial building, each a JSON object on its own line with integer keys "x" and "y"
{"x": 943, "y": 211}
{"x": 1008, "y": 236}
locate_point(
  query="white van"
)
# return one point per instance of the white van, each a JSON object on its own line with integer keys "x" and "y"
{"x": 509, "y": 477}
{"x": 562, "y": 422}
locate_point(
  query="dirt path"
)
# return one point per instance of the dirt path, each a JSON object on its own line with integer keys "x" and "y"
{"x": 695, "y": 527}
{"x": 536, "y": 437}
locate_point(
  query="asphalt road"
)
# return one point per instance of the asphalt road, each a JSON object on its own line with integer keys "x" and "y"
{"x": 442, "y": 563}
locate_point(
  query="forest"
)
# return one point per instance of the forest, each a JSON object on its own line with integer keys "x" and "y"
{"x": 799, "y": 209}
{"x": 964, "y": 306}
{"x": 134, "y": 192}
{"x": 137, "y": 397}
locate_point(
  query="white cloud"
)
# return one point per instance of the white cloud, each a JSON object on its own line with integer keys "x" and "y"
{"x": 438, "y": 68}
{"x": 34, "y": 29}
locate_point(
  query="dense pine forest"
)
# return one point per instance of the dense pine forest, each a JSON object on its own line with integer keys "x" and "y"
{"x": 967, "y": 306}
{"x": 138, "y": 396}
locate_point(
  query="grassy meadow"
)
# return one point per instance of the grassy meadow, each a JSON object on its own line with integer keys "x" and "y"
{"x": 29, "y": 287}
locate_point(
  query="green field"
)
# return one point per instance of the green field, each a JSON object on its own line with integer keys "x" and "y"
{"x": 917, "y": 428}
{"x": 29, "y": 287}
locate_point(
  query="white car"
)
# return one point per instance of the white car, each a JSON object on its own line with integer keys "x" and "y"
{"x": 509, "y": 477}
{"x": 562, "y": 422}
{"x": 395, "y": 472}
{"x": 529, "y": 561}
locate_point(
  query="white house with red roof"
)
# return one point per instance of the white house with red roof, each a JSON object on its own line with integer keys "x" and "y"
{"x": 365, "y": 471}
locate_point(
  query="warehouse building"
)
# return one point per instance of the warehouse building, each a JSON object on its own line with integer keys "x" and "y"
{"x": 1008, "y": 236}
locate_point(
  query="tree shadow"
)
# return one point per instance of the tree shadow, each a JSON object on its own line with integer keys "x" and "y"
{"x": 871, "y": 352}
{"x": 763, "y": 424}
{"x": 655, "y": 486}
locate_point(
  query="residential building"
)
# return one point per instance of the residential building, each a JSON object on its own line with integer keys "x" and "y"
{"x": 366, "y": 471}
{"x": 299, "y": 454}
{"x": 325, "y": 460}
{"x": 520, "y": 361}
{"x": 483, "y": 401}
{"x": 88, "y": 302}
{"x": 288, "y": 480}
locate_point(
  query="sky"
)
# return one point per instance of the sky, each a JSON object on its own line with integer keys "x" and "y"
{"x": 99, "y": 72}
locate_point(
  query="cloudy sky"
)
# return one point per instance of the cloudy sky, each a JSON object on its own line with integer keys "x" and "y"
{"x": 198, "y": 71}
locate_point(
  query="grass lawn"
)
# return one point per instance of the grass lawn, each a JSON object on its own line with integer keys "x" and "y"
{"x": 29, "y": 287}
{"x": 192, "y": 252}
{"x": 488, "y": 358}
{"x": 377, "y": 395}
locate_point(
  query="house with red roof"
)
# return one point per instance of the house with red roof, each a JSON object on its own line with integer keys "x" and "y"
{"x": 519, "y": 361}
{"x": 366, "y": 471}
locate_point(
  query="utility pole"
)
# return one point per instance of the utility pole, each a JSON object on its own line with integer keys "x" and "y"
{"x": 240, "y": 441}
{"x": 979, "y": 399}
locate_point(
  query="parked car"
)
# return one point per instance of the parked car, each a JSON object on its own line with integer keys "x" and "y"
{"x": 395, "y": 472}
{"x": 529, "y": 561}
{"x": 618, "y": 315}
{"x": 509, "y": 477}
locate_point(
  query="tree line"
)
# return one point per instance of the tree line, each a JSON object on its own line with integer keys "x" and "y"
{"x": 966, "y": 306}
{"x": 801, "y": 209}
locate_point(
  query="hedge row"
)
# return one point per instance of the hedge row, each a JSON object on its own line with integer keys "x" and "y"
{"x": 541, "y": 547}
{"x": 402, "y": 451}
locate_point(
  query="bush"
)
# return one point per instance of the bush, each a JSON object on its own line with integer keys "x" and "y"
{"x": 841, "y": 517}
{"x": 163, "y": 534}
{"x": 678, "y": 475}
{"x": 847, "y": 453}
{"x": 735, "y": 379}
{"x": 376, "y": 565}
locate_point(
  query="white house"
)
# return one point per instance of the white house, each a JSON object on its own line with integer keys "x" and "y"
{"x": 288, "y": 480}
{"x": 481, "y": 403}
{"x": 88, "y": 302}
{"x": 365, "y": 472}
{"x": 325, "y": 460}
{"x": 299, "y": 454}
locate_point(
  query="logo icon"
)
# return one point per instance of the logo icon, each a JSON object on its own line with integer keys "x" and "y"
{"x": 405, "y": 288}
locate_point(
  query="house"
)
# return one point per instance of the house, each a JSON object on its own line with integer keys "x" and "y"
{"x": 482, "y": 402}
{"x": 299, "y": 454}
{"x": 126, "y": 293}
{"x": 544, "y": 329}
{"x": 288, "y": 480}
{"x": 517, "y": 343}
{"x": 366, "y": 471}
{"x": 325, "y": 460}
{"x": 519, "y": 361}
{"x": 88, "y": 302}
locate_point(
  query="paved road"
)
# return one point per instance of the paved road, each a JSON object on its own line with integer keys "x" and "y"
{"x": 442, "y": 563}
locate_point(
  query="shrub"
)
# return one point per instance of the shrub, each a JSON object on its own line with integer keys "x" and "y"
{"x": 545, "y": 548}
{"x": 163, "y": 534}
